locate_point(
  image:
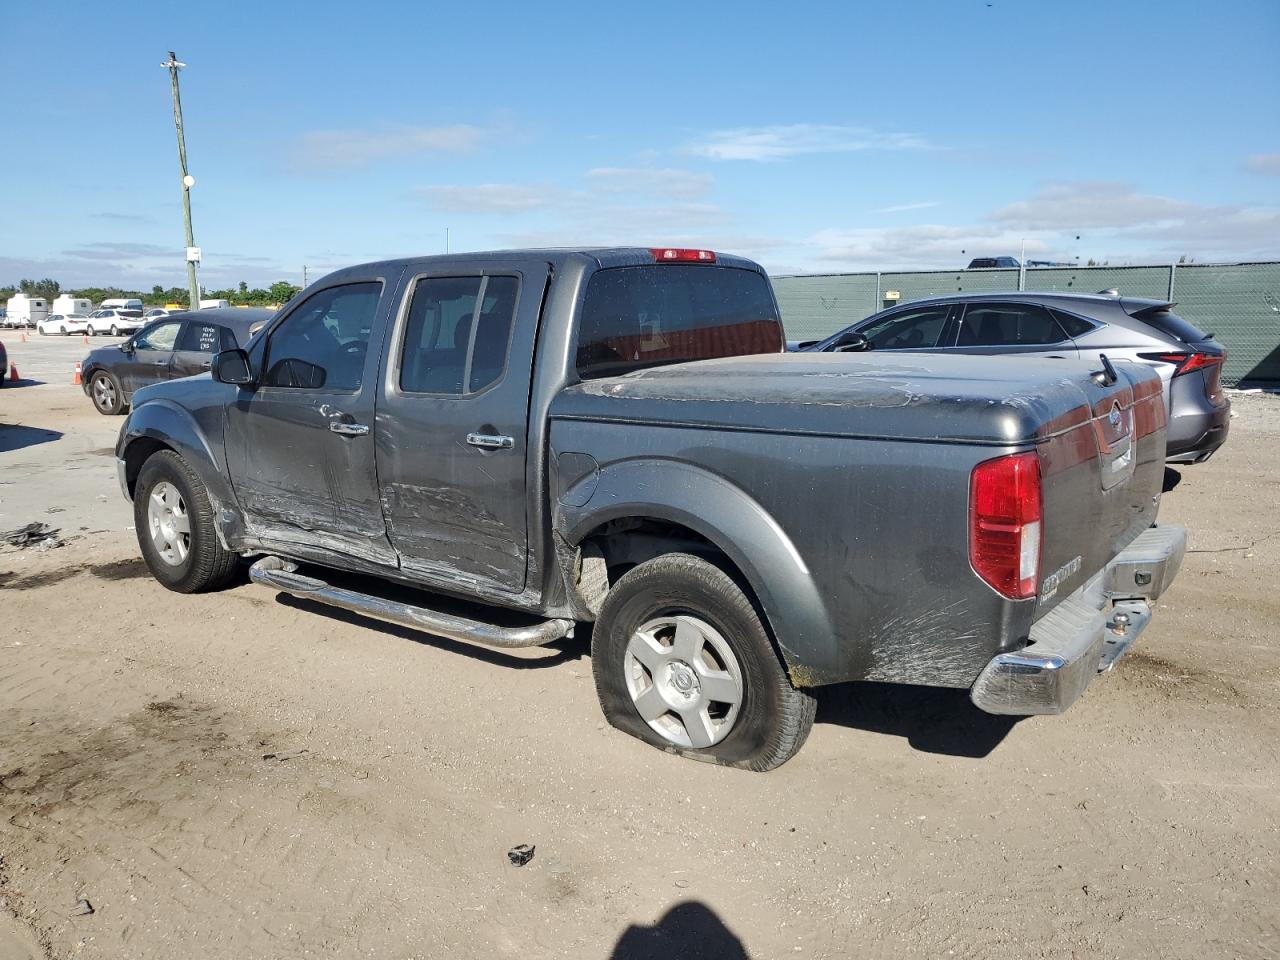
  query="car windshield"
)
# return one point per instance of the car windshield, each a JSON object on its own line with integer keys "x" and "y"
{"x": 644, "y": 316}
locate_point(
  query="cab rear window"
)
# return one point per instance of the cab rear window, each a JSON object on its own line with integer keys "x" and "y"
{"x": 649, "y": 315}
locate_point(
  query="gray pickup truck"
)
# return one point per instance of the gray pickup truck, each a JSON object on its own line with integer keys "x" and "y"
{"x": 498, "y": 447}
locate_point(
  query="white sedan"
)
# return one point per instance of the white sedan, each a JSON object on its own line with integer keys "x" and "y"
{"x": 63, "y": 323}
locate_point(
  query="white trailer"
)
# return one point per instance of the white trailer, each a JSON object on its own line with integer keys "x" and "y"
{"x": 68, "y": 305}
{"x": 25, "y": 311}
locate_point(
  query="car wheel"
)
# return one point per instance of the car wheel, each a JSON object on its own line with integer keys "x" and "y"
{"x": 175, "y": 524}
{"x": 682, "y": 661}
{"x": 89, "y": 330}
{"x": 108, "y": 397}
{"x": 115, "y": 331}
{"x": 64, "y": 331}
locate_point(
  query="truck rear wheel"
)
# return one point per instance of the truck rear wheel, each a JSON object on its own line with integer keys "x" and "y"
{"x": 174, "y": 520}
{"x": 682, "y": 661}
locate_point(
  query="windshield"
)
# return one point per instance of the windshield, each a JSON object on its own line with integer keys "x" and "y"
{"x": 644, "y": 316}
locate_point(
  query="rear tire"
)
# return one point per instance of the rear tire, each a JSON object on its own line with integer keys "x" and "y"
{"x": 175, "y": 525}
{"x": 676, "y": 641}
{"x": 90, "y": 331}
{"x": 64, "y": 331}
{"x": 115, "y": 331}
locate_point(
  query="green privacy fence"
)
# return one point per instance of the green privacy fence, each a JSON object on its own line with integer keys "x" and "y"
{"x": 1238, "y": 302}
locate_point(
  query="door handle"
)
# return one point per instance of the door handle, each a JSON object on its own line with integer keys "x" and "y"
{"x": 348, "y": 429}
{"x": 160, "y": 363}
{"x": 489, "y": 441}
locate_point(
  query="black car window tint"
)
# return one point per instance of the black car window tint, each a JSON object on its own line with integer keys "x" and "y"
{"x": 1008, "y": 325}
{"x": 457, "y": 334}
{"x": 198, "y": 337}
{"x": 324, "y": 341}
{"x": 917, "y": 329}
{"x": 1075, "y": 326}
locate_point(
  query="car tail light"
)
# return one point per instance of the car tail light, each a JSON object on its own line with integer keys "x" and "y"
{"x": 1186, "y": 362}
{"x": 1005, "y": 524}
{"x": 681, "y": 255}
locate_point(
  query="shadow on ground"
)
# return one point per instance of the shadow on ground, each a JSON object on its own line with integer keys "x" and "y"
{"x": 688, "y": 930}
{"x": 931, "y": 719}
{"x": 14, "y": 436}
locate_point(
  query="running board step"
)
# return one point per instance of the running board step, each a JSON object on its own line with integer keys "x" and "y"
{"x": 282, "y": 575}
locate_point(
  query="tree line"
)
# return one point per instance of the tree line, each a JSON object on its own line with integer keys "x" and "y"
{"x": 278, "y": 293}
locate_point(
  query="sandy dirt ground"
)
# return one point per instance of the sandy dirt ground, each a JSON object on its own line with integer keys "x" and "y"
{"x": 134, "y": 725}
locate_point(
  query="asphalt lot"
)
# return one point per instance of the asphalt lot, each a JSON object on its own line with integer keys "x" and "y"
{"x": 134, "y": 723}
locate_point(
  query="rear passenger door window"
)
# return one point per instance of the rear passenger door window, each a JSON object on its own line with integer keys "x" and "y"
{"x": 457, "y": 334}
{"x": 1021, "y": 328}
{"x": 197, "y": 343}
{"x": 1008, "y": 325}
{"x": 921, "y": 328}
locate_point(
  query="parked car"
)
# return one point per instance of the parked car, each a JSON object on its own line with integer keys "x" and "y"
{"x": 154, "y": 313}
{"x": 62, "y": 324}
{"x": 615, "y": 435}
{"x": 987, "y": 263}
{"x": 178, "y": 345}
{"x": 1064, "y": 325}
{"x": 122, "y": 303}
{"x": 113, "y": 320}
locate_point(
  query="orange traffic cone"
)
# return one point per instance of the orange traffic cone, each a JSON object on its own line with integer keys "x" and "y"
{"x": 23, "y": 338}
{"x": 75, "y": 378}
{"x": 86, "y": 339}
{"x": 13, "y": 373}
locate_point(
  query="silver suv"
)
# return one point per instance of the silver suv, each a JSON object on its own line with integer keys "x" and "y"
{"x": 1066, "y": 325}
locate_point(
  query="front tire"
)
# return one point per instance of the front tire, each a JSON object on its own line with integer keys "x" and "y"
{"x": 682, "y": 661}
{"x": 115, "y": 331}
{"x": 107, "y": 395}
{"x": 175, "y": 524}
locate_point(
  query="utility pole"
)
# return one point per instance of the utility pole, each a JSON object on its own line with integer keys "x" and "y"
{"x": 304, "y": 276}
{"x": 173, "y": 64}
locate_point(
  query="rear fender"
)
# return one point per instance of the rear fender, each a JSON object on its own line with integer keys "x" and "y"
{"x": 739, "y": 526}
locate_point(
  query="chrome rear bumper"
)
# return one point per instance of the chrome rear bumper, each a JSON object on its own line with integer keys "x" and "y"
{"x": 1086, "y": 633}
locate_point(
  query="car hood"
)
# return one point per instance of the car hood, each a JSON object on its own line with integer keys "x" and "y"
{"x": 982, "y": 399}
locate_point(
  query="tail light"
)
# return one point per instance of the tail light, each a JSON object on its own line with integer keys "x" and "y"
{"x": 1186, "y": 362}
{"x": 1211, "y": 363}
{"x": 1005, "y": 524}
{"x": 680, "y": 255}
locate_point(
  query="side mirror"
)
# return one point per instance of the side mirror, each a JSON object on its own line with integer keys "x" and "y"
{"x": 232, "y": 366}
{"x": 854, "y": 343}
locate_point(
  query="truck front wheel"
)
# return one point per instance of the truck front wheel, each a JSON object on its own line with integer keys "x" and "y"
{"x": 175, "y": 524}
{"x": 682, "y": 661}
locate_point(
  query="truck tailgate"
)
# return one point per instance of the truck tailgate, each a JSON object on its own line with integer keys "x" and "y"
{"x": 1102, "y": 466}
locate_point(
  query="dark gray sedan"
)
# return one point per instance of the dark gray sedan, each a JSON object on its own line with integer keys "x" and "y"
{"x": 179, "y": 345}
{"x": 1065, "y": 325}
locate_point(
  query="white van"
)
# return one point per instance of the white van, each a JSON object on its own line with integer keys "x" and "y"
{"x": 68, "y": 305}
{"x": 214, "y": 304}
{"x": 120, "y": 303}
{"x": 25, "y": 311}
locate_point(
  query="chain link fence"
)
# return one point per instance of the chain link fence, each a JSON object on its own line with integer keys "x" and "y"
{"x": 1238, "y": 302}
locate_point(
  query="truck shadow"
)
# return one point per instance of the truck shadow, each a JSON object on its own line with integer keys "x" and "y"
{"x": 15, "y": 436}
{"x": 931, "y": 719}
{"x": 526, "y": 658}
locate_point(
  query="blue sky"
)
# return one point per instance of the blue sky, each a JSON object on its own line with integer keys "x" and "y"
{"x": 813, "y": 137}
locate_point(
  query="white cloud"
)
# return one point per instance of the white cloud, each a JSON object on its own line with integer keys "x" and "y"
{"x": 506, "y": 198}
{"x": 904, "y": 207}
{"x": 1105, "y": 221}
{"x": 1264, "y": 163}
{"x": 789, "y": 140}
{"x": 345, "y": 149}
{"x": 1074, "y": 206}
{"x": 664, "y": 182}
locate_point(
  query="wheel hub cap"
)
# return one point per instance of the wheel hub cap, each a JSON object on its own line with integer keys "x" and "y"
{"x": 168, "y": 523}
{"x": 684, "y": 680}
